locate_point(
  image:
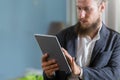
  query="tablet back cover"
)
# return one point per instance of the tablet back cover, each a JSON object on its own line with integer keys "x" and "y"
{"x": 49, "y": 44}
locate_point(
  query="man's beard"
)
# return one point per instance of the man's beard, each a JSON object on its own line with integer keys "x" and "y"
{"x": 81, "y": 30}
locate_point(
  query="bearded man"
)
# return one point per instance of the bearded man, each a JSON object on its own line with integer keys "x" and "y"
{"x": 91, "y": 48}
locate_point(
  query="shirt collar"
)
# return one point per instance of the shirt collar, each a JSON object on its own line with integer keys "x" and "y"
{"x": 97, "y": 37}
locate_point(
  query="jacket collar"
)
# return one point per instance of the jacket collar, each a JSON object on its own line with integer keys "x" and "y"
{"x": 100, "y": 43}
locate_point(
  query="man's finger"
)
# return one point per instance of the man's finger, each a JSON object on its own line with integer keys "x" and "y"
{"x": 44, "y": 57}
{"x": 48, "y": 63}
{"x": 67, "y": 54}
{"x": 51, "y": 67}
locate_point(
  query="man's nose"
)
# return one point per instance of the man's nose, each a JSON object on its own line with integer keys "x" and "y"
{"x": 82, "y": 14}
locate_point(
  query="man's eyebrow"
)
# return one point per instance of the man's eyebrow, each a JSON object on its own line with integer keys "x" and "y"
{"x": 83, "y": 6}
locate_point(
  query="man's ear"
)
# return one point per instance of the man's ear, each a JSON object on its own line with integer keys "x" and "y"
{"x": 102, "y": 6}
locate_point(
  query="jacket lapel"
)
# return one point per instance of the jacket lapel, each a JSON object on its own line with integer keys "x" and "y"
{"x": 100, "y": 43}
{"x": 71, "y": 46}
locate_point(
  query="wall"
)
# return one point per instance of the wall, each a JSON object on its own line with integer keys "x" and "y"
{"x": 118, "y": 15}
{"x": 19, "y": 20}
{"x": 112, "y": 15}
{"x": 71, "y": 14}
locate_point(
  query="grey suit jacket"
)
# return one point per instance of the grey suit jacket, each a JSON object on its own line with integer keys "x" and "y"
{"x": 105, "y": 60}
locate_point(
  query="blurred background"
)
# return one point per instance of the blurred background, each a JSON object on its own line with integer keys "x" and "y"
{"x": 21, "y": 19}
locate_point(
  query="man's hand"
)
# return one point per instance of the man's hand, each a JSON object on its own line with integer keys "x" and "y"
{"x": 75, "y": 68}
{"x": 49, "y": 66}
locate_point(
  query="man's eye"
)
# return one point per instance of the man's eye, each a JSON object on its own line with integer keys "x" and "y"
{"x": 87, "y": 9}
{"x": 79, "y": 8}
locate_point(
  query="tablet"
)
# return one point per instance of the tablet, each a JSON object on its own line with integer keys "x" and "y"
{"x": 50, "y": 44}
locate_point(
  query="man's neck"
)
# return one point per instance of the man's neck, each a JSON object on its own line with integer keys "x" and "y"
{"x": 93, "y": 34}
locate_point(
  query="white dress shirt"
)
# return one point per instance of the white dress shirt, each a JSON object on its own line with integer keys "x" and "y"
{"x": 85, "y": 47}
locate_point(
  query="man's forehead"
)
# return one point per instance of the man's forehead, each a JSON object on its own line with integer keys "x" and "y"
{"x": 78, "y": 1}
{"x": 84, "y": 2}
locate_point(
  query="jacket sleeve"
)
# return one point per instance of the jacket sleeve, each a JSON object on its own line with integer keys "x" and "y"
{"x": 59, "y": 75}
{"x": 46, "y": 78}
{"x": 109, "y": 72}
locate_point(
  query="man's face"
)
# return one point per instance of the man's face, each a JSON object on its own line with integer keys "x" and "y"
{"x": 88, "y": 12}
